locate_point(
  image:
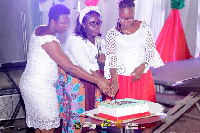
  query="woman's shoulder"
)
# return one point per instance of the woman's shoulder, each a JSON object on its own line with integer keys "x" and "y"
{"x": 74, "y": 39}
{"x": 138, "y": 22}
{"x": 39, "y": 29}
{"x": 144, "y": 24}
{"x": 112, "y": 31}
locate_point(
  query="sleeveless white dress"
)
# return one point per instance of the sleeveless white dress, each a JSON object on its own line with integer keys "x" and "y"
{"x": 37, "y": 85}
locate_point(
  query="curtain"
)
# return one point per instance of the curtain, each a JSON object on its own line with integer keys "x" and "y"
{"x": 198, "y": 32}
{"x": 171, "y": 43}
{"x": 154, "y": 12}
{"x": 189, "y": 17}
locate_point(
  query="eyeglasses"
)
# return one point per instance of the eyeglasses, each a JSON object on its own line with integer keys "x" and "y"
{"x": 124, "y": 19}
{"x": 94, "y": 24}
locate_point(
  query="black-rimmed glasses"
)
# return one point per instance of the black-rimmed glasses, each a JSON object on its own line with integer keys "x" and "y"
{"x": 124, "y": 19}
{"x": 94, "y": 24}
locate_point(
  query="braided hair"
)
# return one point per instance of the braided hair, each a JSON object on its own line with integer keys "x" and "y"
{"x": 124, "y": 4}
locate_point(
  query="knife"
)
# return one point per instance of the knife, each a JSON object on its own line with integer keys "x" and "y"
{"x": 113, "y": 98}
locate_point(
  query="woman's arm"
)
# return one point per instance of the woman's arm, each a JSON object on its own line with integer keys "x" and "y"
{"x": 114, "y": 81}
{"x": 97, "y": 73}
{"x": 112, "y": 61}
{"x": 54, "y": 50}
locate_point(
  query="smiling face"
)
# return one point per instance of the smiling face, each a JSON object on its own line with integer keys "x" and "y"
{"x": 126, "y": 17}
{"x": 92, "y": 25}
{"x": 62, "y": 23}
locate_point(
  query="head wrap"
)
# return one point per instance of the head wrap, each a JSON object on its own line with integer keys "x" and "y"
{"x": 86, "y": 10}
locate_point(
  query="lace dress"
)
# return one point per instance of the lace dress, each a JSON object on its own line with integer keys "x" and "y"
{"x": 127, "y": 52}
{"x": 37, "y": 85}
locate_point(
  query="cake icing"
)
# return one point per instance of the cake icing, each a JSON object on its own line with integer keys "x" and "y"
{"x": 121, "y": 109}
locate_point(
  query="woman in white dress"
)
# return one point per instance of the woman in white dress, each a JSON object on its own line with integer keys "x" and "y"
{"x": 37, "y": 84}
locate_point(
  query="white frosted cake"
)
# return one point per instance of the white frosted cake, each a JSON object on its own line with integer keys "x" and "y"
{"x": 122, "y": 109}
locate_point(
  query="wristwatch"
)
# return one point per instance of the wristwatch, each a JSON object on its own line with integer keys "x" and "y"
{"x": 145, "y": 64}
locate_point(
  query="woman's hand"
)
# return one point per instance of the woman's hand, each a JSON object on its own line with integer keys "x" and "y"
{"x": 101, "y": 58}
{"x": 138, "y": 72}
{"x": 114, "y": 87}
{"x": 104, "y": 85}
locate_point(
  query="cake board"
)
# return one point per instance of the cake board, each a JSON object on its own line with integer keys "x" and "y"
{"x": 156, "y": 115}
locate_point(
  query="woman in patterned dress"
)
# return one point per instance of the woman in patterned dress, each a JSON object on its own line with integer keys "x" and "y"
{"x": 37, "y": 83}
{"x": 78, "y": 95}
{"x": 130, "y": 52}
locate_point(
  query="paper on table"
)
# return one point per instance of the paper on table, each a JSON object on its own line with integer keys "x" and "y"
{"x": 155, "y": 107}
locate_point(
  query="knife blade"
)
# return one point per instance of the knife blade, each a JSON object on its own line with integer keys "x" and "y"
{"x": 113, "y": 98}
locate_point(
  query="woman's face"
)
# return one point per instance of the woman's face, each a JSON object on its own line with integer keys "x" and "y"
{"x": 62, "y": 23}
{"x": 92, "y": 25}
{"x": 126, "y": 17}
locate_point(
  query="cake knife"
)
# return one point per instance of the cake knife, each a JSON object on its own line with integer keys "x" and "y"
{"x": 113, "y": 98}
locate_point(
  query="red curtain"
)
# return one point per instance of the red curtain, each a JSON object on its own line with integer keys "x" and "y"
{"x": 171, "y": 43}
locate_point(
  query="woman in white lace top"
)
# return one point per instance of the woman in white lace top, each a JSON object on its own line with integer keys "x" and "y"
{"x": 37, "y": 84}
{"x": 130, "y": 52}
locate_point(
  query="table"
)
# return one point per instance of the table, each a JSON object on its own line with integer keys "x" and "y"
{"x": 6, "y": 68}
{"x": 193, "y": 84}
{"x": 183, "y": 75}
{"x": 176, "y": 72}
{"x": 126, "y": 125}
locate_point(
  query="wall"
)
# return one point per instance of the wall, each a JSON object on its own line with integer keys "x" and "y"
{"x": 12, "y": 39}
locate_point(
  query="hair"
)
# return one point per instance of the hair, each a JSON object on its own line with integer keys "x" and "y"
{"x": 56, "y": 11}
{"x": 79, "y": 30}
{"x": 124, "y": 4}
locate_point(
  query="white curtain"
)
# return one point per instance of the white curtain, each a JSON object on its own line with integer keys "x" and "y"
{"x": 189, "y": 15}
{"x": 198, "y": 32}
{"x": 154, "y": 12}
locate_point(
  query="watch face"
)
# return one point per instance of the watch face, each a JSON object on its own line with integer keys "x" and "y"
{"x": 145, "y": 64}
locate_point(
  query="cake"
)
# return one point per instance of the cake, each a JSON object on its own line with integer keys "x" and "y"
{"x": 122, "y": 109}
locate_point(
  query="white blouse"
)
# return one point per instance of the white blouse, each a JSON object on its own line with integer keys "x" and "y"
{"x": 127, "y": 52}
{"x": 82, "y": 53}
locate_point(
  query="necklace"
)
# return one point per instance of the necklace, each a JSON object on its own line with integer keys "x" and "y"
{"x": 128, "y": 32}
{"x": 130, "y": 28}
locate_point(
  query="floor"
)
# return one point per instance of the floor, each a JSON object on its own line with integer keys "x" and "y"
{"x": 182, "y": 125}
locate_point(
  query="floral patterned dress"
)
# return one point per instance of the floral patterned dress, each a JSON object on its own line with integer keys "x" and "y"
{"x": 72, "y": 103}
